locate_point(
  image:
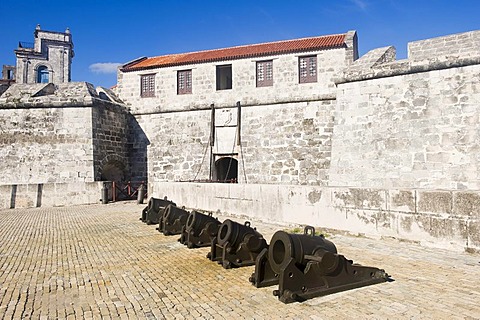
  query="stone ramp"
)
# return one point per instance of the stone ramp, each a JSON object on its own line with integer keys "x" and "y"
{"x": 100, "y": 261}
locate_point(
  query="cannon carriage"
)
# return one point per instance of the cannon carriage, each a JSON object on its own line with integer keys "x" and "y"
{"x": 199, "y": 230}
{"x": 236, "y": 245}
{"x": 306, "y": 266}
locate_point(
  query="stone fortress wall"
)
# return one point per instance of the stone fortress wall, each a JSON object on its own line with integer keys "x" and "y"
{"x": 59, "y": 136}
{"x": 280, "y": 126}
{"x": 393, "y": 153}
{"x": 377, "y": 146}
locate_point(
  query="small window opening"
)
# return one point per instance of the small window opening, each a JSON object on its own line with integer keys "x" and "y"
{"x": 307, "y": 69}
{"x": 147, "y": 85}
{"x": 42, "y": 74}
{"x": 10, "y": 74}
{"x": 224, "y": 77}
{"x": 184, "y": 82}
{"x": 265, "y": 73}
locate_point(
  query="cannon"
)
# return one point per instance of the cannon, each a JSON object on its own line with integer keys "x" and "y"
{"x": 174, "y": 219}
{"x": 307, "y": 266}
{"x": 236, "y": 245}
{"x": 200, "y": 230}
{"x": 153, "y": 212}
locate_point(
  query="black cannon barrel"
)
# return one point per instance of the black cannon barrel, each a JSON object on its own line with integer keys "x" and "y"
{"x": 173, "y": 212}
{"x": 155, "y": 204}
{"x": 154, "y": 210}
{"x": 197, "y": 221}
{"x": 284, "y": 246}
{"x": 235, "y": 233}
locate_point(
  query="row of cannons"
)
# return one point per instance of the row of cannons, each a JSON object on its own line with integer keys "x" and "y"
{"x": 303, "y": 266}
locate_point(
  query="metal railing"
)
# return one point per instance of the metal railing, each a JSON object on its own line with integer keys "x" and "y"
{"x": 126, "y": 190}
{"x": 26, "y": 45}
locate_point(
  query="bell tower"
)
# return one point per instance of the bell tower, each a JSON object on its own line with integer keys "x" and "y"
{"x": 47, "y": 60}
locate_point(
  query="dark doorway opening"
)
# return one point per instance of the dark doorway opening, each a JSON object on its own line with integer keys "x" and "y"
{"x": 226, "y": 170}
{"x": 113, "y": 171}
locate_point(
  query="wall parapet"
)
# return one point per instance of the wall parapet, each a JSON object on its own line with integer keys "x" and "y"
{"x": 244, "y": 104}
{"x": 452, "y": 51}
{"x": 439, "y": 218}
{"x": 49, "y": 194}
{"x": 402, "y": 67}
{"x": 64, "y": 95}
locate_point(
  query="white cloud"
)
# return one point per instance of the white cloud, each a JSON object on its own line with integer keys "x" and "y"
{"x": 104, "y": 67}
{"x": 360, "y": 4}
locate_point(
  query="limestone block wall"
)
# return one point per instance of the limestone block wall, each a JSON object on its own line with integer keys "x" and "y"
{"x": 41, "y": 145}
{"x": 409, "y": 131}
{"x": 138, "y": 143}
{"x": 285, "y": 87}
{"x": 110, "y": 138}
{"x": 423, "y": 216}
{"x": 462, "y": 45}
{"x": 288, "y": 143}
{"x": 175, "y": 145}
{"x": 49, "y": 194}
{"x": 280, "y": 144}
{"x": 53, "y": 133}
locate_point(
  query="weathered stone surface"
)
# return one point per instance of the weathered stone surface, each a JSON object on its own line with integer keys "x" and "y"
{"x": 473, "y": 233}
{"x": 467, "y": 204}
{"x": 50, "y": 194}
{"x": 361, "y": 198}
{"x": 408, "y": 131}
{"x": 45, "y": 138}
{"x": 439, "y": 202}
{"x": 402, "y": 200}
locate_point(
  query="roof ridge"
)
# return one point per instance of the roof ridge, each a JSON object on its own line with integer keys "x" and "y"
{"x": 240, "y": 51}
{"x": 248, "y": 45}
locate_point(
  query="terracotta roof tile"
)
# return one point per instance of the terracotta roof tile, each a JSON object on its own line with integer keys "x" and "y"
{"x": 247, "y": 51}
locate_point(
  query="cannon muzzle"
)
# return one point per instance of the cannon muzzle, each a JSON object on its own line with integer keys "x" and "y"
{"x": 284, "y": 246}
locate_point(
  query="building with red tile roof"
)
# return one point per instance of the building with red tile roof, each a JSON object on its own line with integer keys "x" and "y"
{"x": 240, "y": 52}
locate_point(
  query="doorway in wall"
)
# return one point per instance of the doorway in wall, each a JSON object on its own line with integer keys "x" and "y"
{"x": 226, "y": 170}
{"x": 113, "y": 171}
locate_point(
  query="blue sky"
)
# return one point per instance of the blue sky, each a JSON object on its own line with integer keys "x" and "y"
{"x": 106, "y": 33}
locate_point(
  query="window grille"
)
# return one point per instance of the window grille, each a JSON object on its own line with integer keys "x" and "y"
{"x": 184, "y": 82}
{"x": 307, "y": 69}
{"x": 265, "y": 73}
{"x": 147, "y": 85}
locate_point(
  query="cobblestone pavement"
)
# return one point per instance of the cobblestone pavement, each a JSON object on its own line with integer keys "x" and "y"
{"x": 100, "y": 261}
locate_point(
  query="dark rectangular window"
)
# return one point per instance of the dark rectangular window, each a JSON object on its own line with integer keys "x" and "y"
{"x": 184, "y": 82}
{"x": 147, "y": 85}
{"x": 307, "y": 69}
{"x": 224, "y": 77}
{"x": 265, "y": 73}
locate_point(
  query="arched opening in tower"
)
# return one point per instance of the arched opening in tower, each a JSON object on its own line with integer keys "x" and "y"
{"x": 113, "y": 171}
{"x": 226, "y": 169}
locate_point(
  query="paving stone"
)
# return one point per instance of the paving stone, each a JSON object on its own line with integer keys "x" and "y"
{"x": 100, "y": 261}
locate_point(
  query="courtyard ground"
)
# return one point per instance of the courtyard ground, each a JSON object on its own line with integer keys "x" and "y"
{"x": 101, "y": 262}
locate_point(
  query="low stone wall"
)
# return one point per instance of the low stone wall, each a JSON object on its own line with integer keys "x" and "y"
{"x": 50, "y": 194}
{"x": 446, "y": 219}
